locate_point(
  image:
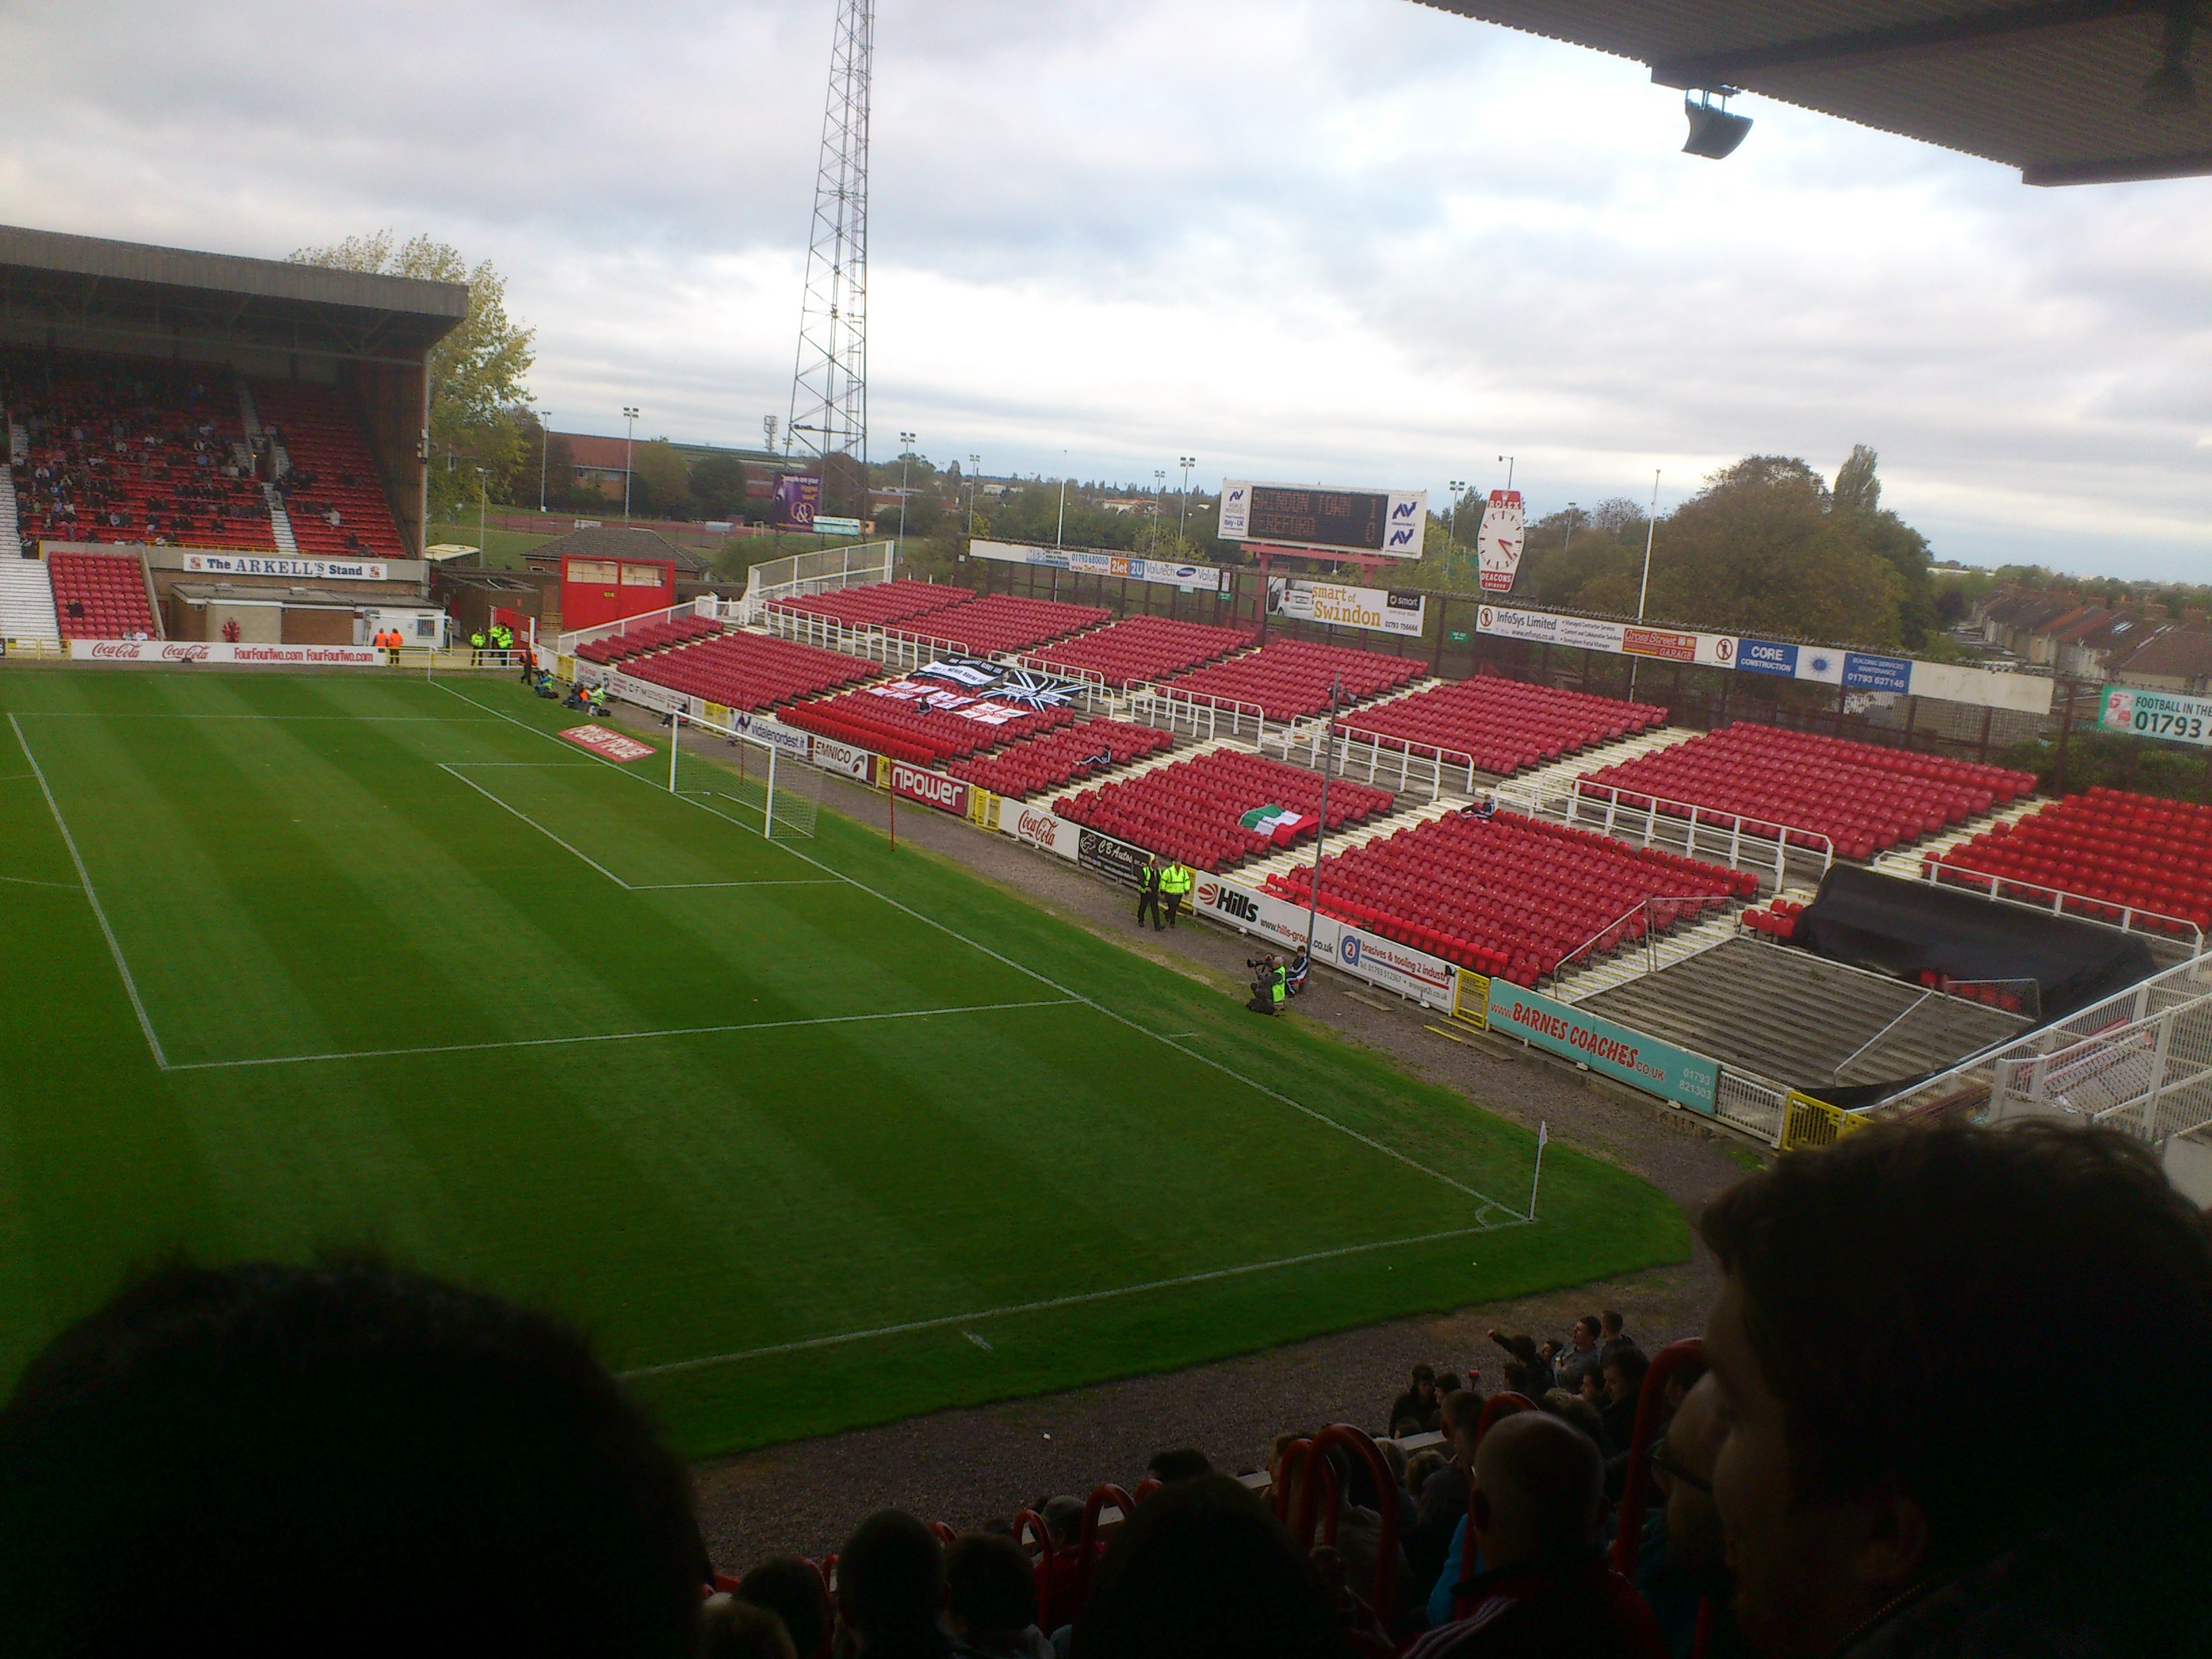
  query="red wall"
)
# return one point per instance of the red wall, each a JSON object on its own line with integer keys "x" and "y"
{"x": 588, "y": 603}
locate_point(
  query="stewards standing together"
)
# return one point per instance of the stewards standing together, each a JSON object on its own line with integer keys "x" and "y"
{"x": 1175, "y": 882}
{"x": 1148, "y": 892}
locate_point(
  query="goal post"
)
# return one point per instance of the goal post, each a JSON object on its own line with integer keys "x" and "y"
{"x": 743, "y": 775}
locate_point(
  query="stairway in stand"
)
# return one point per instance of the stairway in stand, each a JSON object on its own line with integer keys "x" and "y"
{"x": 280, "y": 521}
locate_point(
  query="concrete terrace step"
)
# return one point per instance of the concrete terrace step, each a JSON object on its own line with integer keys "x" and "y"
{"x": 27, "y": 600}
{"x": 280, "y": 522}
{"x": 1559, "y": 777}
{"x": 1634, "y": 962}
{"x": 1799, "y": 1020}
{"x": 1136, "y": 769}
{"x": 1905, "y": 861}
{"x": 11, "y": 542}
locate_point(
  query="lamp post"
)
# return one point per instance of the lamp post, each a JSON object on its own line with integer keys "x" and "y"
{"x": 1569, "y": 542}
{"x": 1508, "y": 460}
{"x": 544, "y": 443}
{"x": 1159, "y": 488}
{"x": 974, "y": 484}
{"x": 1182, "y": 516}
{"x": 1458, "y": 488}
{"x": 483, "y": 499}
{"x": 1060, "y": 535}
{"x": 906, "y": 460}
{"x": 629, "y": 434}
{"x": 1321, "y": 831}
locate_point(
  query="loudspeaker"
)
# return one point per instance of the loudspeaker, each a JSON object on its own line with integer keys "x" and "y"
{"x": 1714, "y": 132}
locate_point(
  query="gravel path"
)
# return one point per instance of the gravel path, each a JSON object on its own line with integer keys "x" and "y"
{"x": 966, "y": 1466}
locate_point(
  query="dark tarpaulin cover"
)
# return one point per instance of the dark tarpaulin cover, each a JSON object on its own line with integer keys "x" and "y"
{"x": 1894, "y": 926}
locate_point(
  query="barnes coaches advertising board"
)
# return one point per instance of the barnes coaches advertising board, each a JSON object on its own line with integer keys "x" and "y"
{"x": 1388, "y": 523}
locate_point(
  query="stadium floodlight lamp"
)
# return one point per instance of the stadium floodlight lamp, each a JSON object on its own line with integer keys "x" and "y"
{"x": 1714, "y": 132}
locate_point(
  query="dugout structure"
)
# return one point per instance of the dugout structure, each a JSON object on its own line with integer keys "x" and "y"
{"x": 368, "y": 336}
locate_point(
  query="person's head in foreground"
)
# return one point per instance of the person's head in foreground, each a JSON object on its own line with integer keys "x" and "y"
{"x": 891, "y": 1587}
{"x": 791, "y": 1590}
{"x": 340, "y": 1459}
{"x": 1538, "y": 1487}
{"x": 1204, "y": 1570}
{"x": 733, "y": 1628}
{"x": 1898, "y": 1451}
{"x": 990, "y": 1593}
{"x": 1682, "y": 1466}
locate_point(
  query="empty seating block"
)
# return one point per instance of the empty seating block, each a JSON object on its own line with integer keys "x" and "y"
{"x": 331, "y": 494}
{"x": 2116, "y": 850}
{"x": 745, "y": 672}
{"x": 1191, "y": 810}
{"x": 654, "y": 636}
{"x": 99, "y": 596}
{"x": 1293, "y": 677}
{"x": 1076, "y": 751}
{"x": 878, "y": 605}
{"x": 1000, "y": 622}
{"x": 1503, "y": 726}
{"x": 125, "y": 449}
{"x": 1863, "y": 798}
{"x": 901, "y": 727}
{"x": 1145, "y": 648}
{"x": 1511, "y": 896}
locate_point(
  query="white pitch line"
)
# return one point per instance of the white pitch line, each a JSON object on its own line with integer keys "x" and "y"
{"x": 1047, "y": 1304}
{"x": 611, "y": 1036}
{"x": 65, "y": 886}
{"x": 1318, "y": 1116}
{"x": 130, "y": 985}
{"x": 534, "y": 824}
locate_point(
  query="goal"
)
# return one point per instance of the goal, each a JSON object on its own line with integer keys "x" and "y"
{"x": 742, "y": 773}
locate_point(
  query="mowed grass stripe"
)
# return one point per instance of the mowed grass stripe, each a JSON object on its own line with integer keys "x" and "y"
{"x": 728, "y": 1192}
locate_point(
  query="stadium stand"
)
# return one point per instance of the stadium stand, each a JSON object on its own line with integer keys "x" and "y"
{"x": 132, "y": 451}
{"x": 926, "y": 737}
{"x": 998, "y": 622}
{"x": 1289, "y": 678}
{"x": 1143, "y": 648}
{"x": 747, "y": 672}
{"x": 1035, "y": 764}
{"x": 27, "y": 600}
{"x": 1508, "y": 895}
{"x": 332, "y": 494}
{"x": 1864, "y": 798}
{"x": 1503, "y": 726}
{"x": 2122, "y": 850}
{"x": 655, "y": 637}
{"x": 101, "y": 596}
{"x": 879, "y": 606}
{"x": 1191, "y": 810}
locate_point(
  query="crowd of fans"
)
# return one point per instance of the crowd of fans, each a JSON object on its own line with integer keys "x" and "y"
{"x": 1869, "y": 1454}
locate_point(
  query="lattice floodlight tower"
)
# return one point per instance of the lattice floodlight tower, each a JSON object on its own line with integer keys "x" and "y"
{"x": 829, "y": 384}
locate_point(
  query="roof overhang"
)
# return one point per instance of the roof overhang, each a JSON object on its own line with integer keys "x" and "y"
{"x": 2054, "y": 87}
{"x": 131, "y": 290}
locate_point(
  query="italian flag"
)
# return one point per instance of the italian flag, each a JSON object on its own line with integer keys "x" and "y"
{"x": 1279, "y": 823}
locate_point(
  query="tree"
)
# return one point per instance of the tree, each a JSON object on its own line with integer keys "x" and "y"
{"x": 476, "y": 373}
{"x": 1857, "y": 490}
{"x": 718, "y": 484}
{"x": 659, "y": 472}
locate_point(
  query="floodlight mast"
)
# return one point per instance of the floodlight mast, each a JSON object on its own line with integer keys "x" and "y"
{"x": 829, "y": 418}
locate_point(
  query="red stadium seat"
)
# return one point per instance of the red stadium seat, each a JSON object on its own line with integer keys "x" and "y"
{"x": 1190, "y": 811}
{"x": 2118, "y": 852}
{"x": 1502, "y": 726}
{"x": 1293, "y": 677}
{"x": 747, "y": 672}
{"x": 1039, "y": 763}
{"x": 332, "y": 473}
{"x": 1143, "y": 648}
{"x": 107, "y": 592}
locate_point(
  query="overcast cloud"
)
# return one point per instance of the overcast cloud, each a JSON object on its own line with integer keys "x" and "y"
{"x": 1356, "y": 240}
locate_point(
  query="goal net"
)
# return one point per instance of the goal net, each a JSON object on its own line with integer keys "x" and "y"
{"x": 744, "y": 776}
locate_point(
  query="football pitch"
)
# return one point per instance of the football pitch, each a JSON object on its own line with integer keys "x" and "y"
{"x": 805, "y": 1134}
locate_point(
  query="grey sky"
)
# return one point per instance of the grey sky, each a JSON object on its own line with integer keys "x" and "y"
{"x": 1351, "y": 239}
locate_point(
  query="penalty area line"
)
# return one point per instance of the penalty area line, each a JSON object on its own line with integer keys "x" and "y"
{"x": 617, "y": 1037}
{"x": 1388, "y": 1151}
{"x": 1047, "y": 1304}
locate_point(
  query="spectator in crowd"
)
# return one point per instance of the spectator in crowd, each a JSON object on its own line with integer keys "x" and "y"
{"x": 890, "y": 1589}
{"x": 1573, "y": 1408}
{"x": 1527, "y": 1368}
{"x": 1063, "y": 1519}
{"x": 1414, "y": 1412}
{"x": 730, "y": 1628}
{"x": 1178, "y": 1463}
{"x": 1203, "y": 1570}
{"x": 1544, "y": 1588}
{"x": 1892, "y": 1479}
{"x": 345, "y": 1458}
{"x": 990, "y": 1599}
{"x": 1580, "y": 1357}
{"x": 1419, "y": 1467}
{"x": 1442, "y": 1506}
{"x": 1681, "y": 1563}
{"x": 1624, "y": 1375}
{"x": 1612, "y": 1336}
{"x": 791, "y": 1590}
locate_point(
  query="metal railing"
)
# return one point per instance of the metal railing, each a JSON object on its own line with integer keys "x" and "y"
{"x": 1173, "y": 709}
{"x": 2128, "y": 918}
{"x": 2114, "y": 1027}
{"x": 705, "y": 607}
{"x": 38, "y": 650}
{"x": 1699, "y": 832}
{"x": 823, "y": 572}
{"x": 1749, "y": 1104}
{"x": 1416, "y": 763}
{"x": 2151, "y": 1078}
{"x": 1615, "y": 933}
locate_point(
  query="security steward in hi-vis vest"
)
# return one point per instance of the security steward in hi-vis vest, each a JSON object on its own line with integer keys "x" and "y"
{"x": 1148, "y": 893}
{"x": 1175, "y": 882}
{"x": 476, "y": 649}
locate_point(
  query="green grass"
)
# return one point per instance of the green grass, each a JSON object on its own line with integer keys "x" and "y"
{"x": 374, "y": 987}
{"x": 503, "y": 549}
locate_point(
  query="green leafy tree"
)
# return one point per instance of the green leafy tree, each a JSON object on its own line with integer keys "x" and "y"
{"x": 658, "y": 471}
{"x": 476, "y": 373}
{"x": 718, "y": 484}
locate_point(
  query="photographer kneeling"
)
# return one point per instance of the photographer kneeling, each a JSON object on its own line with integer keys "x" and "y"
{"x": 1270, "y": 984}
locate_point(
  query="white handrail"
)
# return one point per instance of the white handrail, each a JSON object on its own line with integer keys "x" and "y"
{"x": 1933, "y": 872}
{"x": 1696, "y": 816}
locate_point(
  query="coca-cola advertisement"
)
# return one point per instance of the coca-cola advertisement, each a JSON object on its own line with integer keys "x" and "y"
{"x": 226, "y": 651}
{"x": 1033, "y": 826}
